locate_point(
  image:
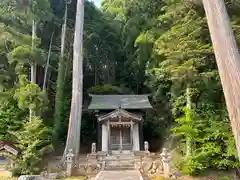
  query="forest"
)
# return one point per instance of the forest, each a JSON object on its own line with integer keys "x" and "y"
{"x": 157, "y": 47}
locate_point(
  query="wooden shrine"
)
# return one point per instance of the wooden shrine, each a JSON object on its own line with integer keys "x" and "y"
{"x": 120, "y": 119}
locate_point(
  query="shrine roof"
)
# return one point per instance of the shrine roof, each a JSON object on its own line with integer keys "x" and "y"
{"x": 120, "y": 112}
{"x": 109, "y": 102}
{"x": 9, "y": 147}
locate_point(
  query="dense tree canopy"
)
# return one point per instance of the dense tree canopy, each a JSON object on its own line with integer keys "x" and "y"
{"x": 162, "y": 47}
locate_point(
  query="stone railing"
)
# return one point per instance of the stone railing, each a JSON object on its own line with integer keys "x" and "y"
{"x": 91, "y": 164}
{"x": 150, "y": 164}
{"x": 144, "y": 161}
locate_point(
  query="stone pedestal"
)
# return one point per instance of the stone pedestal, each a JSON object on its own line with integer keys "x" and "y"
{"x": 69, "y": 162}
{"x": 166, "y": 160}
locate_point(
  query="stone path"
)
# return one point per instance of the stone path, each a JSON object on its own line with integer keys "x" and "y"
{"x": 119, "y": 175}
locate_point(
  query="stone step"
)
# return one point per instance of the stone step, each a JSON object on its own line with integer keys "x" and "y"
{"x": 122, "y": 153}
{"x": 118, "y": 165}
{"x": 118, "y": 168}
{"x": 119, "y": 175}
{"x": 119, "y": 162}
{"x": 119, "y": 158}
{"x": 109, "y": 167}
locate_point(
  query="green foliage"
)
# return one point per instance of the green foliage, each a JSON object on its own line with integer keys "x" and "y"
{"x": 157, "y": 46}
{"x": 30, "y": 96}
{"x": 10, "y": 117}
{"x": 108, "y": 89}
{"x": 182, "y": 56}
{"x": 26, "y": 55}
{"x": 192, "y": 166}
{"x": 23, "y": 12}
{"x": 170, "y": 44}
{"x": 89, "y": 132}
{"x": 214, "y": 145}
{"x": 185, "y": 125}
{"x": 34, "y": 141}
{"x": 101, "y": 52}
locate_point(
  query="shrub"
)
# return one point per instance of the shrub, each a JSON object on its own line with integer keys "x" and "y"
{"x": 34, "y": 141}
{"x": 108, "y": 89}
{"x": 192, "y": 166}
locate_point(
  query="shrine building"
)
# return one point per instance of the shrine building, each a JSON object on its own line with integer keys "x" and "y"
{"x": 120, "y": 121}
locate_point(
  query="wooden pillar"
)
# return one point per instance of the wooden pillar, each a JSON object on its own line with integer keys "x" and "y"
{"x": 109, "y": 137}
{"x": 104, "y": 137}
{"x": 99, "y": 138}
{"x": 131, "y": 135}
{"x": 121, "y": 141}
{"x": 141, "y": 135}
{"x": 120, "y": 133}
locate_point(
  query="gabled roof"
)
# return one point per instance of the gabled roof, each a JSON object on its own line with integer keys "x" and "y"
{"x": 9, "y": 147}
{"x": 119, "y": 113}
{"x": 108, "y": 102}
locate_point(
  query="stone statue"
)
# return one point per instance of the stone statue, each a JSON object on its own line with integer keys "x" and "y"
{"x": 94, "y": 148}
{"x": 146, "y": 146}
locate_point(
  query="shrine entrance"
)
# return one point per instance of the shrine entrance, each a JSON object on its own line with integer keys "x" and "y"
{"x": 120, "y": 132}
{"x": 120, "y": 138}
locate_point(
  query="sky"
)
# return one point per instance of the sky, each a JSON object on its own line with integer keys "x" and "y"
{"x": 96, "y": 2}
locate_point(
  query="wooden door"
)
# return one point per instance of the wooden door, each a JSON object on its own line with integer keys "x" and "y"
{"x": 126, "y": 138}
{"x": 115, "y": 138}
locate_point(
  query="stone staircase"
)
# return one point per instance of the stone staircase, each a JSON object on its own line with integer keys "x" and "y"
{"x": 119, "y": 162}
{"x": 119, "y": 175}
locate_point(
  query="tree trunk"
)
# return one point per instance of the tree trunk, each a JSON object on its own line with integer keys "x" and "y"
{"x": 95, "y": 75}
{"x": 33, "y": 65}
{"x": 188, "y": 139}
{"x": 67, "y": 64}
{"x": 228, "y": 60}
{"x": 58, "y": 113}
{"x": 74, "y": 128}
{"x": 48, "y": 62}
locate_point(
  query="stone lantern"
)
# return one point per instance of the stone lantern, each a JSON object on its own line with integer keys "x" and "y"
{"x": 69, "y": 162}
{"x": 166, "y": 160}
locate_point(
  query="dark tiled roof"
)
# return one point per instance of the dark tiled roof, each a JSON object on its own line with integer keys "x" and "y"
{"x": 104, "y": 102}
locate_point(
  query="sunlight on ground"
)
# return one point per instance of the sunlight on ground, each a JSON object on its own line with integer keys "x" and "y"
{"x": 158, "y": 178}
{"x": 7, "y": 178}
{"x": 4, "y": 174}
